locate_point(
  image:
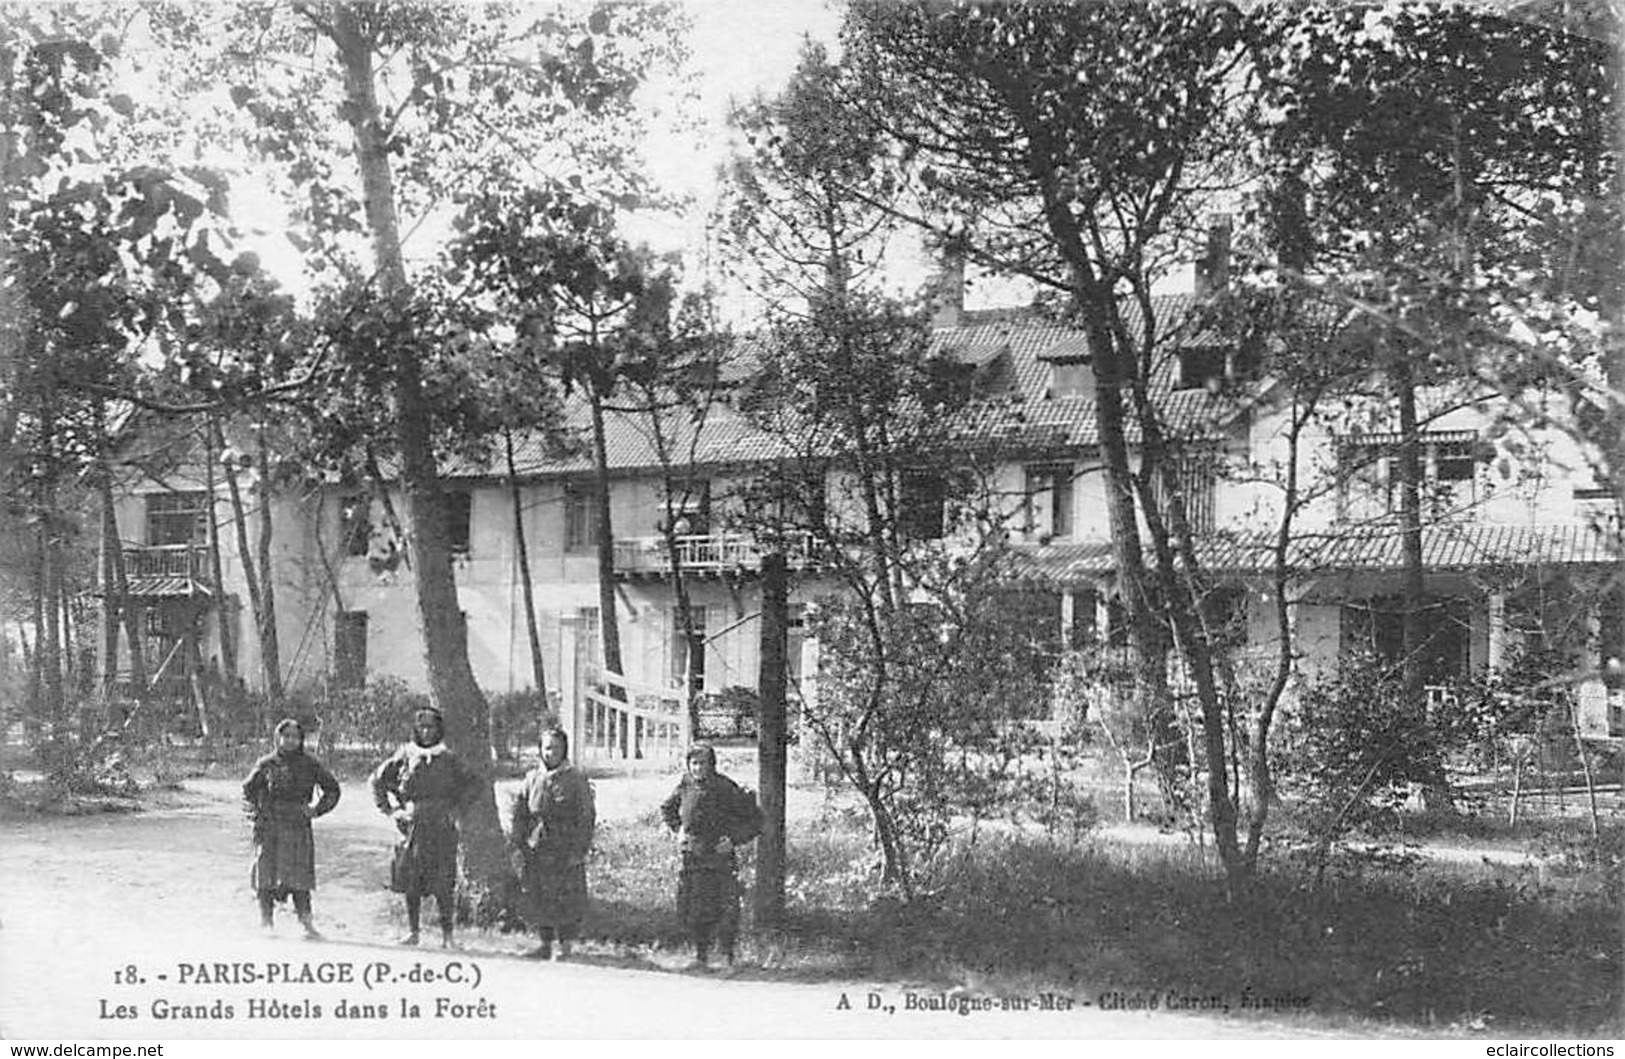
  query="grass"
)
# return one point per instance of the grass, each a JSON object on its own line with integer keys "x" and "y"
{"x": 1418, "y": 949}
{"x": 1415, "y": 946}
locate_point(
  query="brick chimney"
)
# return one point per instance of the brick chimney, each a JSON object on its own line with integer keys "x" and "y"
{"x": 1213, "y": 267}
{"x": 949, "y": 300}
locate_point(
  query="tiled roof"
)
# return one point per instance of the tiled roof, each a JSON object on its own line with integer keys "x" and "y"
{"x": 1022, "y": 411}
{"x": 1456, "y": 547}
{"x": 1464, "y": 547}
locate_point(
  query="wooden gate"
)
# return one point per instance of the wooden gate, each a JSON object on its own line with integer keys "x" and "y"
{"x": 623, "y": 721}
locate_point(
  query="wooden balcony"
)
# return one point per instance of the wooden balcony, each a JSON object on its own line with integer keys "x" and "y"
{"x": 167, "y": 570}
{"x": 700, "y": 555}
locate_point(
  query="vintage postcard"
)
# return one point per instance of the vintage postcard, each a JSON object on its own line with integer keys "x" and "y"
{"x": 861, "y": 520}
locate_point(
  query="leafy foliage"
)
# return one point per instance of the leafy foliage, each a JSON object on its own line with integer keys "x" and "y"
{"x": 376, "y": 716}
{"x": 922, "y": 707}
{"x": 1359, "y": 746}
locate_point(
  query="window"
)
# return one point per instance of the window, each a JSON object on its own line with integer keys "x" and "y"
{"x": 949, "y": 382}
{"x": 1195, "y": 474}
{"x": 1071, "y": 379}
{"x": 1224, "y": 611}
{"x": 1611, "y": 637}
{"x": 689, "y": 657}
{"x": 1368, "y": 471}
{"x": 809, "y": 506}
{"x": 795, "y": 638}
{"x": 1378, "y": 626}
{"x": 459, "y": 520}
{"x": 1201, "y": 367}
{"x": 355, "y": 524}
{"x": 923, "y": 499}
{"x": 691, "y": 509}
{"x": 350, "y": 649}
{"x": 580, "y": 518}
{"x": 160, "y": 623}
{"x": 1210, "y": 367}
{"x": 589, "y": 647}
{"x": 1363, "y": 473}
{"x": 1098, "y": 620}
{"x": 1047, "y": 500}
{"x": 1083, "y": 630}
{"x": 1453, "y": 461}
{"x": 177, "y": 518}
{"x": 1117, "y": 623}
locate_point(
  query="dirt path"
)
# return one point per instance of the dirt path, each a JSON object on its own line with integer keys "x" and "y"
{"x": 142, "y": 926}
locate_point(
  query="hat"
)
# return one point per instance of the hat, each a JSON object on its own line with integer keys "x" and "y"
{"x": 429, "y": 714}
{"x": 702, "y": 752}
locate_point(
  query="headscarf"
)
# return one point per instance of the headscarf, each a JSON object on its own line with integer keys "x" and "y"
{"x": 426, "y": 716}
{"x": 288, "y": 724}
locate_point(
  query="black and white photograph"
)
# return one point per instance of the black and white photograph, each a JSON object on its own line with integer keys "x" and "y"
{"x": 863, "y": 520}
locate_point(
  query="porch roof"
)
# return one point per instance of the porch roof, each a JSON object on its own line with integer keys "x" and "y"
{"x": 1448, "y": 547}
{"x": 166, "y": 587}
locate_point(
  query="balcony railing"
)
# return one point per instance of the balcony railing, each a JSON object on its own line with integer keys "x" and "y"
{"x": 711, "y": 553}
{"x": 167, "y": 569}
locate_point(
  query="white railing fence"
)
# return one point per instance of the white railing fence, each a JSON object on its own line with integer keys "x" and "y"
{"x": 623, "y": 721}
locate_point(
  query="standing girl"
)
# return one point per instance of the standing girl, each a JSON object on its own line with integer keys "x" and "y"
{"x": 278, "y": 794}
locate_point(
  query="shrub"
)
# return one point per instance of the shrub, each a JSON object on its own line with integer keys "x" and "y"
{"x": 730, "y": 714}
{"x": 375, "y": 717}
{"x": 925, "y": 709}
{"x": 73, "y": 766}
{"x": 1357, "y": 747}
{"x": 518, "y": 720}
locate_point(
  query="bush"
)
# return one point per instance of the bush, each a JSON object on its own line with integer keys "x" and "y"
{"x": 85, "y": 768}
{"x": 730, "y": 714}
{"x": 927, "y": 709}
{"x": 1357, "y": 748}
{"x": 376, "y": 717}
{"x": 518, "y": 720}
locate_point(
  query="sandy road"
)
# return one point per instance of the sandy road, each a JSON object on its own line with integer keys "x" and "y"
{"x": 141, "y": 926}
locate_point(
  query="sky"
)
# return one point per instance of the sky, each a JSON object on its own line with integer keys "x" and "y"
{"x": 739, "y": 48}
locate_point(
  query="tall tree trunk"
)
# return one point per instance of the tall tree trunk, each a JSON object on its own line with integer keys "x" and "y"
{"x": 270, "y": 648}
{"x": 452, "y": 686}
{"x": 72, "y": 688}
{"x": 1612, "y": 441}
{"x": 256, "y": 602}
{"x": 39, "y": 710}
{"x": 685, "y": 625}
{"x": 679, "y": 582}
{"x": 1413, "y": 577}
{"x": 135, "y": 636}
{"x": 1145, "y": 636}
{"x": 112, "y": 605}
{"x": 49, "y": 638}
{"x": 538, "y": 673}
{"x": 608, "y": 620}
{"x": 228, "y": 639}
{"x": 1258, "y": 749}
{"x": 112, "y": 602}
{"x": 1181, "y": 588}
{"x": 772, "y": 740}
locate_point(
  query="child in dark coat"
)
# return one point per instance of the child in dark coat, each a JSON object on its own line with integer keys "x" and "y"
{"x": 278, "y": 794}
